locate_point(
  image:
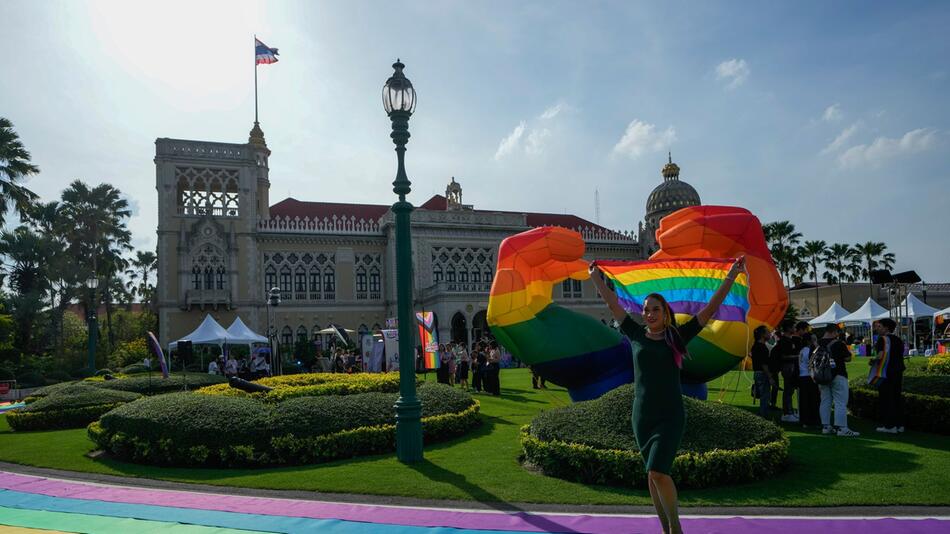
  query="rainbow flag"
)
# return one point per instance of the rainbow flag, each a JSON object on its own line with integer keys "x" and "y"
{"x": 429, "y": 338}
{"x": 688, "y": 284}
{"x": 878, "y": 371}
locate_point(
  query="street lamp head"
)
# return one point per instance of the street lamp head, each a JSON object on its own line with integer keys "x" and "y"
{"x": 398, "y": 94}
{"x": 92, "y": 282}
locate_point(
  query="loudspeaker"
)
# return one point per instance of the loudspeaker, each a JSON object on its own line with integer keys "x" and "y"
{"x": 185, "y": 352}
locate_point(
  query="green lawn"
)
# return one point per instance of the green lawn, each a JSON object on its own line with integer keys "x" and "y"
{"x": 874, "y": 469}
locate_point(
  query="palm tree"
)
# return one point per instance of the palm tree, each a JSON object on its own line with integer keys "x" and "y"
{"x": 139, "y": 273}
{"x": 811, "y": 253}
{"x": 92, "y": 222}
{"x": 782, "y": 240}
{"x": 874, "y": 256}
{"x": 27, "y": 253}
{"x": 14, "y": 166}
{"x": 841, "y": 260}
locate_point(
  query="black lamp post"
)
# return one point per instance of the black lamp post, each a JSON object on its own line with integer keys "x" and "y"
{"x": 273, "y": 300}
{"x": 399, "y": 101}
{"x": 92, "y": 283}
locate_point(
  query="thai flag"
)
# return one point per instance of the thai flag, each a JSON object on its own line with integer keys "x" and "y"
{"x": 263, "y": 53}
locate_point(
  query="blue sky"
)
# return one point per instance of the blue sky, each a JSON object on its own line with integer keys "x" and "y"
{"x": 831, "y": 115}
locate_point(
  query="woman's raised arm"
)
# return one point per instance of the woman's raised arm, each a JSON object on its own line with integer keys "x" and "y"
{"x": 610, "y": 298}
{"x": 712, "y": 306}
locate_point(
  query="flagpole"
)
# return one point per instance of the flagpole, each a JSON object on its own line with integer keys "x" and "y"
{"x": 255, "y": 78}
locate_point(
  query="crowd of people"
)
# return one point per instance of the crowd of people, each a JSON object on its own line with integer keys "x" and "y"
{"x": 257, "y": 365}
{"x": 814, "y": 365}
{"x": 483, "y": 363}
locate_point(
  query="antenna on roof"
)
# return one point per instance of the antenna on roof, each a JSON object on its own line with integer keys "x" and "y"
{"x": 597, "y": 206}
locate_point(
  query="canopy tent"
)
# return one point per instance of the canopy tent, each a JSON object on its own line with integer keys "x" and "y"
{"x": 832, "y": 315}
{"x": 338, "y": 331}
{"x": 945, "y": 311}
{"x": 209, "y": 332}
{"x": 868, "y": 312}
{"x": 913, "y": 308}
{"x": 240, "y": 334}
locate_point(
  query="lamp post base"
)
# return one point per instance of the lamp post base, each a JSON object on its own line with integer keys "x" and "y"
{"x": 408, "y": 430}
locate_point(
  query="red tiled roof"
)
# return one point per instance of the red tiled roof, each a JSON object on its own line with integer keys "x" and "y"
{"x": 291, "y": 207}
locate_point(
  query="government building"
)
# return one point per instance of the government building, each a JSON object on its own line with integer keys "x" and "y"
{"x": 222, "y": 245}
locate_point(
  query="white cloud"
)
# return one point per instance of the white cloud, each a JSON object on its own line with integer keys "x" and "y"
{"x": 734, "y": 72}
{"x": 553, "y": 111}
{"x": 841, "y": 139}
{"x": 535, "y": 143}
{"x": 885, "y": 148}
{"x": 832, "y": 113}
{"x": 641, "y": 137}
{"x": 510, "y": 143}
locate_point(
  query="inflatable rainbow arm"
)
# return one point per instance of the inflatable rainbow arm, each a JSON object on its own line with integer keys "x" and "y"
{"x": 567, "y": 348}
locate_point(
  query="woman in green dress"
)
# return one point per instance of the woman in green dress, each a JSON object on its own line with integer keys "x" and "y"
{"x": 658, "y": 416}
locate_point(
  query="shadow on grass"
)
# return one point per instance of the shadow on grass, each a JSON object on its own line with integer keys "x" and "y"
{"x": 479, "y": 494}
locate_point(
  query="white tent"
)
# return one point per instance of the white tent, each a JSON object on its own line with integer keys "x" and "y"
{"x": 868, "y": 312}
{"x": 945, "y": 311}
{"x": 913, "y": 308}
{"x": 833, "y": 314}
{"x": 240, "y": 334}
{"x": 209, "y": 332}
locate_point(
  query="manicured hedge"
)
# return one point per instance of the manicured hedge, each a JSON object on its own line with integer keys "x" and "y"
{"x": 314, "y": 384}
{"x": 939, "y": 364}
{"x": 72, "y": 407}
{"x": 926, "y": 402}
{"x": 593, "y": 442}
{"x": 191, "y": 429}
{"x": 156, "y": 385}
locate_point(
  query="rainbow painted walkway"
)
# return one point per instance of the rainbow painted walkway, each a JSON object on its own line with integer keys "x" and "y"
{"x": 32, "y": 504}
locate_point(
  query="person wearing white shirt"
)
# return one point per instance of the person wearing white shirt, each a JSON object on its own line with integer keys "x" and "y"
{"x": 213, "y": 368}
{"x": 809, "y": 397}
{"x": 231, "y": 368}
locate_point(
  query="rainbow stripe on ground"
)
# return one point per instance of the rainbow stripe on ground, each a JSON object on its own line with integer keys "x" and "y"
{"x": 55, "y": 505}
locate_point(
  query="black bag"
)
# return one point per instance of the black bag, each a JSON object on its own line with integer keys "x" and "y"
{"x": 819, "y": 365}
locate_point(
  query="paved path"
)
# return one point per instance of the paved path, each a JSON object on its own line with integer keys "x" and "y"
{"x": 60, "y": 505}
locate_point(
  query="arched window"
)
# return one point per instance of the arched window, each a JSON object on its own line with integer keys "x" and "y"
{"x": 196, "y": 277}
{"x": 361, "y": 283}
{"x": 566, "y": 288}
{"x": 437, "y": 274}
{"x": 301, "y": 333}
{"x": 314, "y": 283}
{"x": 375, "y": 288}
{"x": 329, "y": 283}
{"x": 285, "y": 282}
{"x": 209, "y": 277}
{"x": 286, "y": 336}
{"x": 270, "y": 278}
{"x": 219, "y": 281}
{"x": 463, "y": 275}
{"x": 450, "y": 274}
{"x": 300, "y": 284}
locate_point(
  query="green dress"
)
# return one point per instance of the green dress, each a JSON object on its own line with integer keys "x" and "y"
{"x": 658, "y": 416}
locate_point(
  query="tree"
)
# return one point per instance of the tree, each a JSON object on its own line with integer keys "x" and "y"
{"x": 92, "y": 222}
{"x": 14, "y": 166}
{"x": 27, "y": 252}
{"x": 874, "y": 256}
{"x": 140, "y": 272}
{"x": 63, "y": 279}
{"x": 782, "y": 240}
{"x": 841, "y": 261}
{"x": 811, "y": 253}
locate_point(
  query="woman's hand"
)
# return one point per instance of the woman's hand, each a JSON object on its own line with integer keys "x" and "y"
{"x": 737, "y": 268}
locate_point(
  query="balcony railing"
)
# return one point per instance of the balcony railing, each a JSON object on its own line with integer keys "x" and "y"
{"x": 200, "y": 211}
{"x": 208, "y": 298}
{"x": 441, "y": 288}
{"x": 332, "y": 225}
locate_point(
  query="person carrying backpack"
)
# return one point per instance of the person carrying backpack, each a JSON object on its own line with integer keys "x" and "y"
{"x": 829, "y": 362}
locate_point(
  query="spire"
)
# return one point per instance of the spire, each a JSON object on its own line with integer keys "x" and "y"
{"x": 671, "y": 171}
{"x": 256, "y": 137}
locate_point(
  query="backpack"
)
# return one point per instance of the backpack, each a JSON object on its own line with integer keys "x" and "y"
{"x": 819, "y": 365}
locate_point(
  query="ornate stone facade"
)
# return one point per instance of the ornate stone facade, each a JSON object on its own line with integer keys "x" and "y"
{"x": 222, "y": 246}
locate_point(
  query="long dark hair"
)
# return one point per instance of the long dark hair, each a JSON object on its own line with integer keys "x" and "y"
{"x": 672, "y": 334}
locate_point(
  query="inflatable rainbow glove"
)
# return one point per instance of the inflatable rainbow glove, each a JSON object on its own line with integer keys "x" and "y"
{"x": 567, "y": 348}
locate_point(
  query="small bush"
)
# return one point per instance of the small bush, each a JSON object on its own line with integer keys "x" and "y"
{"x": 156, "y": 385}
{"x": 593, "y": 442}
{"x": 135, "y": 368}
{"x": 103, "y": 372}
{"x": 58, "y": 375}
{"x": 30, "y": 379}
{"x": 926, "y": 402}
{"x": 191, "y": 429}
{"x": 939, "y": 364}
{"x": 128, "y": 353}
{"x": 72, "y": 407}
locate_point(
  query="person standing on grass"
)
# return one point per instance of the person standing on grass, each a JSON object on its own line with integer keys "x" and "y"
{"x": 808, "y": 396}
{"x": 760, "y": 369}
{"x": 464, "y": 364}
{"x": 658, "y": 414}
{"x": 784, "y": 353}
{"x": 493, "y": 370}
{"x": 837, "y": 391}
{"x": 890, "y": 396}
{"x": 478, "y": 367}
